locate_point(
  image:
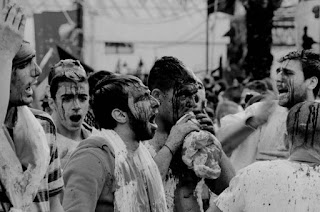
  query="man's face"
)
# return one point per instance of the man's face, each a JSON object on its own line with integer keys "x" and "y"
{"x": 23, "y": 78}
{"x": 291, "y": 83}
{"x": 143, "y": 111}
{"x": 179, "y": 101}
{"x": 71, "y": 104}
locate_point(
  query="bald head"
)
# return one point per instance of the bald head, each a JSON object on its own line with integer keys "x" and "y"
{"x": 303, "y": 125}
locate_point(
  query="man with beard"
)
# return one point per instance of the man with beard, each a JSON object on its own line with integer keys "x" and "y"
{"x": 69, "y": 102}
{"x": 30, "y": 175}
{"x": 175, "y": 87}
{"x": 264, "y": 122}
{"x": 114, "y": 171}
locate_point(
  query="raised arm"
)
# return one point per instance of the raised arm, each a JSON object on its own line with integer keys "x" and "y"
{"x": 174, "y": 141}
{"x": 12, "y": 23}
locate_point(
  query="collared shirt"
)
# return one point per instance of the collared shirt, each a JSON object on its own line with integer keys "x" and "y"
{"x": 52, "y": 183}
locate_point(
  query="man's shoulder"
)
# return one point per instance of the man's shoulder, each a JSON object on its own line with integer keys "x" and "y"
{"x": 96, "y": 145}
{"x": 41, "y": 115}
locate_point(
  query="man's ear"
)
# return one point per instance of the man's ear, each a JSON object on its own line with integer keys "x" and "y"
{"x": 51, "y": 103}
{"x": 119, "y": 116}
{"x": 156, "y": 93}
{"x": 313, "y": 82}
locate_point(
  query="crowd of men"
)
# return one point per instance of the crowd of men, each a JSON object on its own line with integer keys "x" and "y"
{"x": 112, "y": 143}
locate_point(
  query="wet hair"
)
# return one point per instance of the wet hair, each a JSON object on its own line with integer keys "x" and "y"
{"x": 167, "y": 73}
{"x": 95, "y": 77}
{"x": 310, "y": 62}
{"x": 111, "y": 92}
{"x": 303, "y": 125}
{"x": 65, "y": 71}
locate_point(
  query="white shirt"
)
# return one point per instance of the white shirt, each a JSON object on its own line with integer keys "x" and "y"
{"x": 263, "y": 144}
{"x": 275, "y": 186}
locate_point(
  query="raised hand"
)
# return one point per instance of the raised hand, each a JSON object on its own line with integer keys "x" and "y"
{"x": 180, "y": 130}
{"x": 12, "y": 24}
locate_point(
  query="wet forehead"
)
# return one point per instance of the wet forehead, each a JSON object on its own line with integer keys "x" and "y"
{"x": 291, "y": 65}
{"x": 190, "y": 88}
{"x": 137, "y": 90}
{"x": 72, "y": 88}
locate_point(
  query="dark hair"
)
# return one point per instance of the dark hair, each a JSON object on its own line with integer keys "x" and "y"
{"x": 95, "y": 77}
{"x": 233, "y": 93}
{"x": 65, "y": 71}
{"x": 111, "y": 92}
{"x": 168, "y": 72}
{"x": 310, "y": 62}
{"x": 257, "y": 85}
{"x": 303, "y": 124}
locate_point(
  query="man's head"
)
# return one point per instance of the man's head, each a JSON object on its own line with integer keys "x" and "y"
{"x": 25, "y": 72}
{"x": 303, "y": 126}
{"x": 69, "y": 92}
{"x": 298, "y": 77}
{"x": 252, "y": 89}
{"x": 121, "y": 100}
{"x": 200, "y": 98}
{"x": 175, "y": 87}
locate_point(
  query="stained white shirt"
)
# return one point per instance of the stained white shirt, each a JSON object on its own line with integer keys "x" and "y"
{"x": 275, "y": 186}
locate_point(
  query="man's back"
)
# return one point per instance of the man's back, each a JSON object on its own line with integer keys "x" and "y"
{"x": 279, "y": 185}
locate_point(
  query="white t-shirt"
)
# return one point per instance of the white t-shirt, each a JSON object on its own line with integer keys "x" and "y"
{"x": 266, "y": 143}
{"x": 275, "y": 186}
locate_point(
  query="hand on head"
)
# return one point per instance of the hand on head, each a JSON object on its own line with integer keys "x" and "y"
{"x": 12, "y": 24}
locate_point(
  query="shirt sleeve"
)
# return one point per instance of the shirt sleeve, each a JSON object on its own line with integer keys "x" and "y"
{"x": 232, "y": 199}
{"x": 85, "y": 176}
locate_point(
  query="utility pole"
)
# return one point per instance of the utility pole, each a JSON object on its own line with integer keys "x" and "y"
{"x": 79, "y": 26}
{"x": 207, "y": 41}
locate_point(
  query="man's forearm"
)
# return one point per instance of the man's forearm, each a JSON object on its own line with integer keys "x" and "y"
{"x": 235, "y": 137}
{"x": 6, "y": 66}
{"x": 227, "y": 173}
{"x": 163, "y": 160}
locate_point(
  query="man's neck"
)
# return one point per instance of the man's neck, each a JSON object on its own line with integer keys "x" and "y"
{"x": 127, "y": 137}
{"x": 73, "y": 135}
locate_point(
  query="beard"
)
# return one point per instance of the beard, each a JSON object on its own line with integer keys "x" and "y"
{"x": 140, "y": 128}
{"x": 291, "y": 99}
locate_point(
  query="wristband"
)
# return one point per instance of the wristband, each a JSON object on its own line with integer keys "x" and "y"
{"x": 169, "y": 149}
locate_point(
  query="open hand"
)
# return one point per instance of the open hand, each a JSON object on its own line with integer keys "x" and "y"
{"x": 12, "y": 24}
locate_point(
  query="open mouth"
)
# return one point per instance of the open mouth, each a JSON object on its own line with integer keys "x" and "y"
{"x": 152, "y": 121}
{"x": 75, "y": 118}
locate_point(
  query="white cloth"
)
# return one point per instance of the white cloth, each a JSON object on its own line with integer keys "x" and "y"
{"x": 30, "y": 150}
{"x": 139, "y": 184}
{"x": 272, "y": 186}
{"x": 266, "y": 143}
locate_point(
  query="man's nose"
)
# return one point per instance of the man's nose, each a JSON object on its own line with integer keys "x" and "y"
{"x": 76, "y": 104}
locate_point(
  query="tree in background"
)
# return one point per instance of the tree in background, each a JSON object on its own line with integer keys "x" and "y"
{"x": 259, "y": 16}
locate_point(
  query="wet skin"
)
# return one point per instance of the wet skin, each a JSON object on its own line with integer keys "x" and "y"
{"x": 71, "y": 104}
{"x": 22, "y": 80}
{"x": 291, "y": 83}
{"x": 143, "y": 111}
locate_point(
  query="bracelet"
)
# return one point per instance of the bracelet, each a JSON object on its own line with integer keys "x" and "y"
{"x": 169, "y": 149}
